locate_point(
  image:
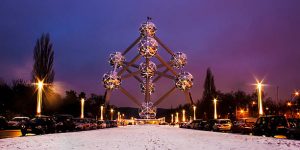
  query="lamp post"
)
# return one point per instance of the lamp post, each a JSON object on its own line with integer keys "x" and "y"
{"x": 101, "y": 112}
{"x": 259, "y": 98}
{"x": 40, "y": 86}
{"x": 111, "y": 114}
{"x": 215, "y": 108}
{"x": 176, "y": 118}
{"x": 194, "y": 108}
{"x": 82, "y": 108}
{"x": 172, "y": 120}
{"x": 118, "y": 116}
{"x": 183, "y": 115}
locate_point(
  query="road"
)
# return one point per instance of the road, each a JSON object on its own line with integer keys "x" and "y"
{"x": 150, "y": 137}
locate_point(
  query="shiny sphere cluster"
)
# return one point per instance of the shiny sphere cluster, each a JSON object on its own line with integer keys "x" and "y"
{"x": 116, "y": 58}
{"x": 148, "y": 47}
{"x": 148, "y": 29}
{"x": 143, "y": 87}
{"x": 147, "y": 110}
{"x": 178, "y": 60}
{"x": 184, "y": 81}
{"x": 111, "y": 80}
{"x": 147, "y": 71}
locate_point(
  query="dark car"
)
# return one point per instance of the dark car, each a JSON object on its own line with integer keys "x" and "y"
{"x": 270, "y": 126}
{"x": 201, "y": 125}
{"x": 101, "y": 124}
{"x": 3, "y": 123}
{"x": 195, "y": 124}
{"x": 183, "y": 125}
{"x": 243, "y": 125}
{"x": 108, "y": 124}
{"x": 64, "y": 123}
{"x": 39, "y": 125}
{"x": 209, "y": 125}
{"x": 294, "y": 130}
{"x": 113, "y": 123}
{"x": 16, "y": 122}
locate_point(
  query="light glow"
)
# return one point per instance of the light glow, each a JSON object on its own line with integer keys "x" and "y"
{"x": 215, "y": 108}
{"x": 194, "y": 108}
{"x": 183, "y": 115}
{"x": 82, "y": 109}
{"x": 101, "y": 112}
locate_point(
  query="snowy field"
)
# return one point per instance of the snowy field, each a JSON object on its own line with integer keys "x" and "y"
{"x": 150, "y": 137}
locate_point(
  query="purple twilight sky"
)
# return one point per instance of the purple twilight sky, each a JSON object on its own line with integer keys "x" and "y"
{"x": 238, "y": 40}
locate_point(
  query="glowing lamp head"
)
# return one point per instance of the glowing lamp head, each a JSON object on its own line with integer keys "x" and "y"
{"x": 297, "y": 93}
{"x": 215, "y": 100}
{"x": 111, "y": 110}
{"x": 40, "y": 84}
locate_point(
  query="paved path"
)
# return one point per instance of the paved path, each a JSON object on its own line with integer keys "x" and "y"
{"x": 150, "y": 137}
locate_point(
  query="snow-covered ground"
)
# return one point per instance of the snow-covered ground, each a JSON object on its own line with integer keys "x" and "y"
{"x": 150, "y": 137}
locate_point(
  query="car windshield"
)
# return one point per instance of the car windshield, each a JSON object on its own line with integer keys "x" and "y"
{"x": 18, "y": 119}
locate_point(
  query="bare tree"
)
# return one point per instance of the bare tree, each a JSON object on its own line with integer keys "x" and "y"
{"x": 43, "y": 60}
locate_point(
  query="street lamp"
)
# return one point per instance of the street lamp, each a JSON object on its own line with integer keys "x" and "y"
{"x": 176, "y": 118}
{"x": 215, "y": 108}
{"x": 183, "y": 115}
{"x": 172, "y": 118}
{"x": 40, "y": 86}
{"x": 101, "y": 112}
{"x": 259, "y": 86}
{"x": 118, "y": 116}
{"x": 111, "y": 113}
{"x": 82, "y": 108}
{"x": 194, "y": 108}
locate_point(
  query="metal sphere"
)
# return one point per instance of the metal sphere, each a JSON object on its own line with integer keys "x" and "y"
{"x": 116, "y": 58}
{"x": 184, "y": 81}
{"x": 179, "y": 60}
{"x": 147, "y": 111}
{"x": 144, "y": 86}
{"x": 111, "y": 80}
{"x": 148, "y": 47}
{"x": 148, "y": 29}
{"x": 147, "y": 71}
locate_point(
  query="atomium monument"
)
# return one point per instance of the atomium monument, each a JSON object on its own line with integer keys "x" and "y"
{"x": 148, "y": 73}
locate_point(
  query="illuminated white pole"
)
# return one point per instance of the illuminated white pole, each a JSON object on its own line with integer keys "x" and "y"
{"x": 82, "y": 108}
{"x": 111, "y": 114}
{"x": 259, "y": 98}
{"x": 101, "y": 112}
{"x": 118, "y": 116}
{"x": 183, "y": 115}
{"x": 40, "y": 85}
{"x": 177, "y": 117}
{"x": 172, "y": 120}
{"x": 194, "y": 107}
{"x": 215, "y": 109}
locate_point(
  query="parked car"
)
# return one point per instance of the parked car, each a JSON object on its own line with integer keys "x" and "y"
{"x": 81, "y": 124}
{"x": 270, "y": 126}
{"x": 64, "y": 123}
{"x": 92, "y": 123}
{"x": 222, "y": 125}
{"x": 183, "y": 125}
{"x": 39, "y": 125}
{"x": 243, "y": 125}
{"x": 194, "y": 124}
{"x": 209, "y": 125}
{"x": 3, "y": 123}
{"x": 113, "y": 123}
{"x": 16, "y": 122}
{"x": 101, "y": 124}
{"x": 201, "y": 125}
{"x": 294, "y": 130}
